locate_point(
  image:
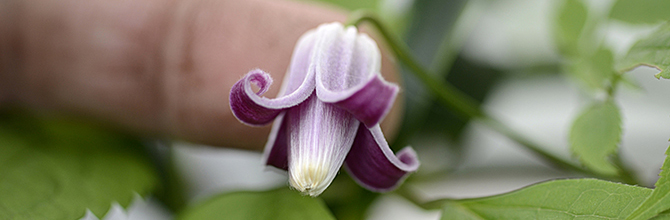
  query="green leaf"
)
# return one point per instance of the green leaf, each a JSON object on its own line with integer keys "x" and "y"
{"x": 595, "y": 136}
{"x": 641, "y": 11}
{"x": 652, "y": 51}
{"x": 55, "y": 169}
{"x": 663, "y": 216}
{"x": 659, "y": 200}
{"x": 271, "y": 205}
{"x": 569, "y": 25}
{"x": 595, "y": 70}
{"x": 559, "y": 199}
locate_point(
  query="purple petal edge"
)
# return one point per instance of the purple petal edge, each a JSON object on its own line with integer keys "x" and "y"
{"x": 372, "y": 164}
{"x": 276, "y": 149}
{"x": 372, "y": 102}
{"x": 252, "y": 109}
{"x": 243, "y": 106}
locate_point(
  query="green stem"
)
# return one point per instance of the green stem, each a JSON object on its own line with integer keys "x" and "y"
{"x": 455, "y": 99}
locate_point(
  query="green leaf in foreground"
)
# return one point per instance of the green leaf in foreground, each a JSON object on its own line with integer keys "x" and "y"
{"x": 641, "y": 11}
{"x": 271, "y": 205}
{"x": 56, "y": 169}
{"x": 559, "y": 199}
{"x": 595, "y": 135}
{"x": 659, "y": 200}
{"x": 653, "y": 51}
{"x": 569, "y": 25}
{"x": 663, "y": 216}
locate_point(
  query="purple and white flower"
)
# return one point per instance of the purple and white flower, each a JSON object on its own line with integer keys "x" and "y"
{"x": 327, "y": 113}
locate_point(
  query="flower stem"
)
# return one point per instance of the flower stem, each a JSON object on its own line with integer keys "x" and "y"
{"x": 463, "y": 104}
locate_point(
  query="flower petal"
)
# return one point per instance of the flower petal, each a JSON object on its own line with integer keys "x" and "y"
{"x": 372, "y": 163}
{"x": 276, "y": 149}
{"x": 252, "y": 109}
{"x": 372, "y": 102}
{"x": 320, "y": 136}
{"x": 243, "y": 101}
{"x": 348, "y": 73}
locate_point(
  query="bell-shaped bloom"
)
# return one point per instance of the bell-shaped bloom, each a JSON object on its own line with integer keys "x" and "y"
{"x": 327, "y": 113}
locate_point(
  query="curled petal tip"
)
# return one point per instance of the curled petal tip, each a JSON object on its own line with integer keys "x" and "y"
{"x": 244, "y": 102}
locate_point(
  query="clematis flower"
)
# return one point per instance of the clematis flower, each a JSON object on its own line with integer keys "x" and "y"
{"x": 327, "y": 113}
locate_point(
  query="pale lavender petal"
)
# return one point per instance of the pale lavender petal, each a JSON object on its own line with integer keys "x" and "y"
{"x": 373, "y": 165}
{"x": 299, "y": 68}
{"x": 276, "y": 149}
{"x": 320, "y": 136}
{"x": 252, "y": 109}
{"x": 348, "y": 73}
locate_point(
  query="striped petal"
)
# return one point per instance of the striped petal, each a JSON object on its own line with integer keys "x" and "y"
{"x": 320, "y": 136}
{"x": 348, "y": 66}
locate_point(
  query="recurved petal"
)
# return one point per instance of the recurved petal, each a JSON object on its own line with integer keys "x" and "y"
{"x": 373, "y": 165}
{"x": 372, "y": 102}
{"x": 249, "y": 107}
{"x": 252, "y": 109}
{"x": 347, "y": 66}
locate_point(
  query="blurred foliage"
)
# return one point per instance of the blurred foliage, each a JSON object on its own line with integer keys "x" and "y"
{"x": 595, "y": 136}
{"x": 570, "y": 23}
{"x": 58, "y": 168}
{"x": 641, "y": 11}
{"x": 346, "y": 199}
{"x": 652, "y": 51}
{"x": 279, "y": 204}
{"x": 353, "y": 5}
{"x": 594, "y": 71}
{"x": 430, "y": 24}
{"x": 431, "y": 38}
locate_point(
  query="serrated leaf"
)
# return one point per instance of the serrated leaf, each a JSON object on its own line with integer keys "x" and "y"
{"x": 659, "y": 200}
{"x": 559, "y": 199}
{"x": 54, "y": 169}
{"x": 653, "y": 51}
{"x": 569, "y": 25}
{"x": 594, "y": 71}
{"x": 641, "y": 11}
{"x": 277, "y": 204}
{"x": 595, "y": 136}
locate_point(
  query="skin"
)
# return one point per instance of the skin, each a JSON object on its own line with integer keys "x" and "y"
{"x": 158, "y": 68}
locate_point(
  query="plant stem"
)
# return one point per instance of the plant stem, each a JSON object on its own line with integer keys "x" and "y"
{"x": 464, "y": 105}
